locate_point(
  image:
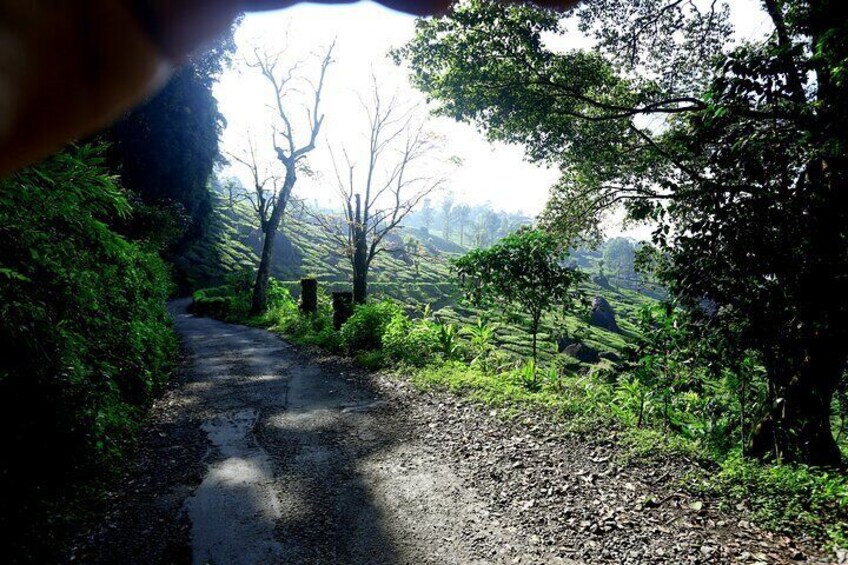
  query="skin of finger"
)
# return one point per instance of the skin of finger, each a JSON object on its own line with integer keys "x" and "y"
{"x": 86, "y": 62}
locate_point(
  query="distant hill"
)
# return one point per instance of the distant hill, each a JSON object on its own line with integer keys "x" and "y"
{"x": 417, "y": 276}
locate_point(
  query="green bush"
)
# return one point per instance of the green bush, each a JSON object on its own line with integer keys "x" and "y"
{"x": 86, "y": 338}
{"x": 231, "y": 300}
{"x": 410, "y": 341}
{"x": 208, "y": 302}
{"x": 364, "y": 330}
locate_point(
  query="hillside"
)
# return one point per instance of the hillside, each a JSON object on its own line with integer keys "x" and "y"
{"x": 416, "y": 276}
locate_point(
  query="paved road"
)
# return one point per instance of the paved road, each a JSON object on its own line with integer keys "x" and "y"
{"x": 261, "y": 456}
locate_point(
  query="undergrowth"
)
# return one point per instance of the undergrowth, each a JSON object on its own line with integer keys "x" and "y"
{"x": 87, "y": 343}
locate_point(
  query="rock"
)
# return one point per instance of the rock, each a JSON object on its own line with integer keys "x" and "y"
{"x": 603, "y": 315}
{"x": 564, "y": 342}
{"x": 582, "y": 352}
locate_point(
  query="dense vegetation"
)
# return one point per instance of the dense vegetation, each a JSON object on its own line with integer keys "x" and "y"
{"x": 90, "y": 240}
{"x": 164, "y": 152}
{"x": 86, "y": 339}
{"x": 743, "y": 169}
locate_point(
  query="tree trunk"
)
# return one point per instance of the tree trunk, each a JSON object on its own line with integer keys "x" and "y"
{"x": 797, "y": 428}
{"x": 535, "y": 330}
{"x": 360, "y": 258}
{"x": 259, "y": 301}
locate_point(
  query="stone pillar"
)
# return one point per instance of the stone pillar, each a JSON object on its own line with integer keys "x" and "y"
{"x": 308, "y": 295}
{"x": 342, "y": 308}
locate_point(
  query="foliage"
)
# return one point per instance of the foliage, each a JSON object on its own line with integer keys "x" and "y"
{"x": 619, "y": 256}
{"x": 229, "y": 301}
{"x": 448, "y": 341}
{"x": 521, "y": 273}
{"x": 686, "y": 378}
{"x": 743, "y": 169}
{"x": 578, "y": 403}
{"x": 480, "y": 337}
{"x": 365, "y": 329}
{"x": 783, "y": 497}
{"x": 413, "y": 342}
{"x": 165, "y": 151}
{"x": 86, "y": 338}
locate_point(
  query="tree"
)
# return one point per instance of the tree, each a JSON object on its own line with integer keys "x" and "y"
{"x": 490, "y": 225}
{"x": 523, "y": 274}
{"x": 461, "y": 214}
{"x": 619, "y": 255}
{"x": 391, "y": 184}
{"x": 283, "y": 84}
{"x": 264, "y": 195}
{"x": 742, "y": 152}
{"x": 447, "y": 215}
{"x": 426, "y": 215}
{"x": 165, "y": 149}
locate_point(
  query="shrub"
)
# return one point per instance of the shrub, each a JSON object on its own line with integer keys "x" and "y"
{"x": 410, "y": 341}
{"x": 212, "y": 302}
{"x": 283, "y": 316}
{"x": 364, "y": 330}
{"x": 86, "y": 336}
{"x": 231, "y": 300}
{"x": 447, "y": 336}
{"x": 784, "y": 497}
{"x": 481, "y": 341}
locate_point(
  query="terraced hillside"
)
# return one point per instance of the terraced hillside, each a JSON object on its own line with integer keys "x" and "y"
{"x": 417, "y": 275}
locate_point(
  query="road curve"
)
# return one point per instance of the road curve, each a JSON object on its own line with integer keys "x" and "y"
{"x": 261, "y": 456}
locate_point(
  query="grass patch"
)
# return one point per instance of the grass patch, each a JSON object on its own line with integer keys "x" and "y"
{"x": 786, "y": 498}
{"x": 566, "y": 401}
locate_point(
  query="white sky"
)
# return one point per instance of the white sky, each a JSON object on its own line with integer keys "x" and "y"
{"x": 364, "y": 33}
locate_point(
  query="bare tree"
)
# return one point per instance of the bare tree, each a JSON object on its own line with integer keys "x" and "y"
{"x": 290, "y": 153}
{"x": 376, "y": 198}
{"x": 264, "y": 194}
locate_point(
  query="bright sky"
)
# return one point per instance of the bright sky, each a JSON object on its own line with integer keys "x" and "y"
{"x": 364, "y": 33}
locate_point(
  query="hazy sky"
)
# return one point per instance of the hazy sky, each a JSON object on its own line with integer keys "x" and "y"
{"x": 364, "y": 34}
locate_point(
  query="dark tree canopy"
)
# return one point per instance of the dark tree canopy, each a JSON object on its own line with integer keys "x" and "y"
{"x": 165, "y": 149}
